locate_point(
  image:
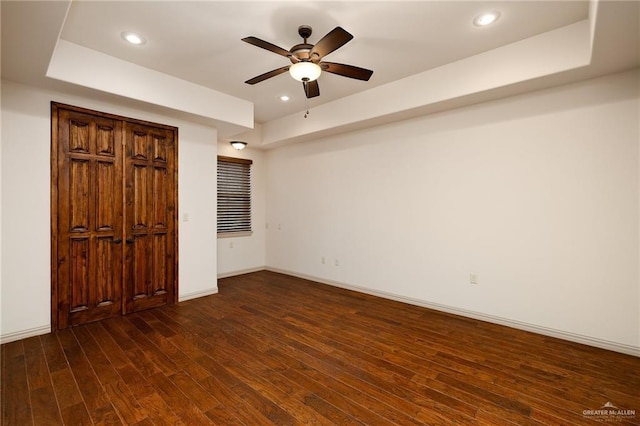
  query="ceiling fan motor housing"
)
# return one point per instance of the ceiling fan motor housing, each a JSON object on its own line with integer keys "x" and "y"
{"x": 300, "y": 52}
{"x": 305, "y": 31}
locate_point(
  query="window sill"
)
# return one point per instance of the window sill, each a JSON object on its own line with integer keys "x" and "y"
{"x": 235, "y": 234}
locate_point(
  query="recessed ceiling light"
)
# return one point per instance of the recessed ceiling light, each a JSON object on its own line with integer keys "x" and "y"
{"x": 133, "y": 38}
{"x": 284, "y": 98}
{"x": 486, "y": 19}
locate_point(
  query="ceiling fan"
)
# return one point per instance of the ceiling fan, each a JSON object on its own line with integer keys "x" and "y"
{"x": 306, "y": 59}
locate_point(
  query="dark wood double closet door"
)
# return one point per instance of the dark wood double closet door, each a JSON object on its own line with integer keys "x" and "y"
{"x": 114, "y": 207}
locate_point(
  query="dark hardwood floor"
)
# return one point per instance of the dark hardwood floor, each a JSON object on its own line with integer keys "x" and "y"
{"x": 273, "y": 349}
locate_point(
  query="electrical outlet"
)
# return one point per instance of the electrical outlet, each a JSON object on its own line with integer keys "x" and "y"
{"x": 337, "y": 262}
{"x": 473, "y": 278}
{"x": 323, "y": 260}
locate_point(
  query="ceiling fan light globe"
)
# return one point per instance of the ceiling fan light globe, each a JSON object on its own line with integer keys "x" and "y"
{"x": 305, "y": 71}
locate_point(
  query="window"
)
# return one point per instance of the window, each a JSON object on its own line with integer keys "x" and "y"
{"x": 234, "y": 195}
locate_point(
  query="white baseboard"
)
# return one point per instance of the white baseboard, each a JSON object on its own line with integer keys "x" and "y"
{"x": 24, "y": 334}
{"x": 195, "y": 295}
{"x": 560, "y": 334}
{"x": 241, "y": 272}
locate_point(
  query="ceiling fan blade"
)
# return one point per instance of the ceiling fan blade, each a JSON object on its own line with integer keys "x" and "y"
{"x": 266, "y": 45}
{"x": 267, "y": 75}
{"x": 311, "y": 88}
{"x": 335, "y": 39}
{"x": 347, "y": 70}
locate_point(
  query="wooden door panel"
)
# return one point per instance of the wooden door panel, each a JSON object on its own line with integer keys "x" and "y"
{"x": 139, "y": 143}
{"x": 160, "y": 187}
{"x": 78, "y": 134}
{"x": 160, "y": 258}
{"x": 105, "y": 141}
{"x": 109, "y": 193}
{"x": 141, "y": 267}
{"x": 141, "y": 196}
{"x": 79, "y": 274}
{"x": 79, "y": 188}
{"x": 107, "y": 257}
{"x": 150, "y": 157}
{"x": 95, "y": 280}
{"x": 89, "y": 222}
{"x": 146, "y": 287}
{"x": 160, "y": 148}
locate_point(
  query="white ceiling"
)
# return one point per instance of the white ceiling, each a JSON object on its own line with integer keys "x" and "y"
{"x": 426, "y": 55}
{"x": 201, "y": 41}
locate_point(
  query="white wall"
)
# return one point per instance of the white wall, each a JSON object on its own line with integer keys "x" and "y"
{"x": 238, "y": 255}
{"x": 25, "y": 204}
{"x": 536, "y": 194}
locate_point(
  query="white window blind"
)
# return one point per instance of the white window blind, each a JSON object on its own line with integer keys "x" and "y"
{"x": 234, "y": 195}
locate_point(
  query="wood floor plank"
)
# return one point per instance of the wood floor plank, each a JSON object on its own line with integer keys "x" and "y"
{"x": 117, "y": 357}
{"x": 540, "y": 398}
{"x": 387, "y": 371}
{"x": 252, "y": 343}
{"x": 152, "y": 352}
{"x": 45, "y": 408}
{"x": 232, "y": 402}
{"x": 164, "y": 345}
{"x": 66, "y": 389}
{"x": 280, "y": 350}
{"x": 305, "y": 406}
{"x": 88, "y": 384}
{"x": 146, "y": 422}
{"x": 126, "y": 405}
{"x": 100, "y": 363}
{"x": 77, "y": 414}
{"x": 180, "y": 403}
{"x": 220, "y": 416}
{"x": 322, "y": 388}
{"x": 156, "y": 324}
{"x": 144, "y": 363}
{"x": 356, "y": 360}
{"x": 258, "y": 401}
{"x": 16, "y": 406}
{"x": 126, "y": 371}
{"x": 159, "y": 411}
{"x": 198, "y": 395}
{"x": 38, "y": 372}
{"x": 42, "y": 396}
{"x": 351, "y": 387}
{"x": 56, "y": 360}
{"x": 376, "y": 403}
{"x": 395, "y": 395}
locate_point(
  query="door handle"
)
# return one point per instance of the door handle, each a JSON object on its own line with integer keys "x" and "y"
{"x": 117, "y": 240}
{"x": 129, "y": 240}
